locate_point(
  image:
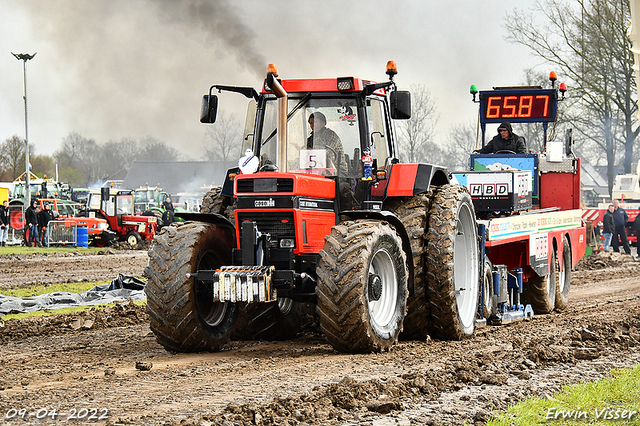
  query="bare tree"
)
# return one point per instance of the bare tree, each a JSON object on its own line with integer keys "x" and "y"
{"x": 12, "y": 156}
{"x": 462, "y": 140}
{"x": 416, "y": 136}
{"x": 222, "y": 140}
{"x": 588, "y": 41}
{"x": 150, "y": 149}
{"x": 79, "y": 164}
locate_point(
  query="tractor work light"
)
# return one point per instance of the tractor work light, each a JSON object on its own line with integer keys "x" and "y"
{"x": 345, "y": 83}
{"x": 474, "y": 91}
{"x": 392, "y": 69}
{"x": 287, "y": 243}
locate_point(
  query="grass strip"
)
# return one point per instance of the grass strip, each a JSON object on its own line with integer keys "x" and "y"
{"x": 613, "y": 400}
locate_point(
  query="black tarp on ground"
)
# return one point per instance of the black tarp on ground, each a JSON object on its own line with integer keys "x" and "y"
{"x": 122, "y": 288}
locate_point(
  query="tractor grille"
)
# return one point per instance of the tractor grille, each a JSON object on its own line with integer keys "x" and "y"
{"x": 278, "y": 225}
{"x": 265, "y": 185}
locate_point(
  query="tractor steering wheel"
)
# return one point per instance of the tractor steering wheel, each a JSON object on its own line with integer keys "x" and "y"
{"x": 505, "y": 151}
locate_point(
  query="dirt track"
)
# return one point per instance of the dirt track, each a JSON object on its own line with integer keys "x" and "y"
{"x": 109, "y": 362}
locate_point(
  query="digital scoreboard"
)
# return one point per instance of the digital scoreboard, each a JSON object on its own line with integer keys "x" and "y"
{"x": 518, "y": 105}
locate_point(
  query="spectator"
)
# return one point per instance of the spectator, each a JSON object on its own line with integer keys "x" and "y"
{"x": 168, "y": 216}
{"x": 608, "y": 227}
{"x": 44, "y": 217}
{"x": 636, "y": 226}
{"x": 505, "y": 140}
{"x": 31, "y": 217}
{"x": 4, "y": 223}
{"x": 620, "y": 218}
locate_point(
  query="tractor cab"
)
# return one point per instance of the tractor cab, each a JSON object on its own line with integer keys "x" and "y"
{"x": 321, "y": 127}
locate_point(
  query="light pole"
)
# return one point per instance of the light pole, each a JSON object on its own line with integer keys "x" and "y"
{"x": 24, "y": 57}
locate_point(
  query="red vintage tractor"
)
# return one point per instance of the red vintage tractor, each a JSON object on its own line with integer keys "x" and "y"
{"x": 117, "y": 207}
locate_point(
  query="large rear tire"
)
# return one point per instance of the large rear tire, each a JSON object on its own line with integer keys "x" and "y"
{"x": 540, "y": 292}
{"x": 279, "y": 320}
{"x": 214, "y": 202}
{"x": 182, "y": 312}
{"x": 453, "y": 266}
{"x": 564, "y": 277}
{"x": 362, "y": 286}
{"x": 412, "y": 212}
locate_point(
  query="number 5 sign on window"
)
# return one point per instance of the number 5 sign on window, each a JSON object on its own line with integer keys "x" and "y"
{"x": 313, "y": 158}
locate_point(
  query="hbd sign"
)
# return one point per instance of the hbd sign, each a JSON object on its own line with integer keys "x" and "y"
{"x": 489, "y": 189}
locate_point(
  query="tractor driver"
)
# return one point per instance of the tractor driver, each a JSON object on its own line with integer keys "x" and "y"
{"x": 324, "y": 138}
{"x": 505, "y": 140}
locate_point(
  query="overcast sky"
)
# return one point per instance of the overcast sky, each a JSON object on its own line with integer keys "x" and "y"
{"x": 136, "y": 68}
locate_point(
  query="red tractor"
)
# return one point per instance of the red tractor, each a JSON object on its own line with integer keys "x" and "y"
{"x": 299, "y": 221}
{"x": 117, "y": 207}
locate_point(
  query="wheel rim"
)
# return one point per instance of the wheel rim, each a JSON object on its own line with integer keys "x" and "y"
{"x": 285, "y": 304}
{"x": 561, "y": 275}
{"x": 212, "y": 313}
{"x": 132, "y": 240}
{"x": 465, "y": 264}
{"x": 382, "y": 311}
{"x": 487, "y": 282}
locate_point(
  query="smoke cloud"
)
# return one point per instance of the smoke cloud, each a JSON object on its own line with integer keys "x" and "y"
{"x": 138, "y": 68}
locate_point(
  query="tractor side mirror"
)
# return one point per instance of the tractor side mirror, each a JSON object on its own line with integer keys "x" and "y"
{"x": 400, "y": 105}
{"x": 209, "y": 109}
{"x": 104, "y": 193}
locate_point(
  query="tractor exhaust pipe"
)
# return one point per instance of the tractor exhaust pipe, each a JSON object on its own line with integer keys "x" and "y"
{"x": 281, "y": 94}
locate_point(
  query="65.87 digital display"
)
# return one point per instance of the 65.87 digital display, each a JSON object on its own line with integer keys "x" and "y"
{"x": 531, "y": 106}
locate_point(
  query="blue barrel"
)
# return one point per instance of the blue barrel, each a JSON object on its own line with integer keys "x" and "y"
{"x": 82, "y": 236}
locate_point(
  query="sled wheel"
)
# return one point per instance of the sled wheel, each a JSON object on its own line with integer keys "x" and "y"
{"x": 412, "y": 212}
{"x": 541, "y": 291}
{"x": 564, "y": 277}
{"x": 488, "y": 307}
{"x": 279, "y": 320}
{"x": 133, "y": 238}
{"x": 362, "y": 286}
{"x": 182, "y": 312}
{"x": 453, "y": 267}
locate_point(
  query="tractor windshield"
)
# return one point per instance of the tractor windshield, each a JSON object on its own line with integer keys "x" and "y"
{"x": 330, "y": 147}
{"x": 125, "y": 204}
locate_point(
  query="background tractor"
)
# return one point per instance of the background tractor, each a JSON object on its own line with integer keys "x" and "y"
{"x": 116, "y": 206}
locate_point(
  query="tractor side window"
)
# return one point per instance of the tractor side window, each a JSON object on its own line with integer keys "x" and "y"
{"x": 110, "y": 206}
{"x": 249, "y": 124}
{"x": 377, "y": 130}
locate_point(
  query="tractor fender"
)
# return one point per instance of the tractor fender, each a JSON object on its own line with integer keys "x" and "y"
{"x": 406, "y": 180}
{"x": 213, "y": 218}
{"x": 396, "y": 223}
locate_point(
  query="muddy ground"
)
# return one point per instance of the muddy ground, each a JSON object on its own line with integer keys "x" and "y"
{"x": 106, "y": 367}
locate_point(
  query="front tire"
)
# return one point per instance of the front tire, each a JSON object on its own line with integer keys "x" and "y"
{"x": 362, "y": 286}
{"x": 182, "y": 312}
{"x": 133, "y": 238}
{"x": 453, "y": 267}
